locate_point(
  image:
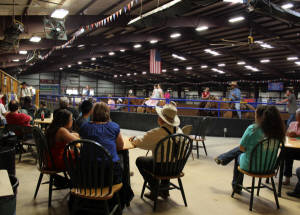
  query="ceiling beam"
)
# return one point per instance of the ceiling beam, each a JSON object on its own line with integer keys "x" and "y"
{"x": 25, "y": 11}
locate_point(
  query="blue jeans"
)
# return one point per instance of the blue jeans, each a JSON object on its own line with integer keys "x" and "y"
{"x": 291, "y": 119}
{"x": 229, "y": 156}
{"x": 238, "y": 107}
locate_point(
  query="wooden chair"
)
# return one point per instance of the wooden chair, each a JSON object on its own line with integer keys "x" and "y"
{"x": 264, "y": 160}
{"x": 169, "y": 159}
{"x": 23, "y": 135}
{"x": 90, "y": 178}
{"x": 44, "y": 158}
{"x": 187, "y": 129}
{"x": 200, "y": 137}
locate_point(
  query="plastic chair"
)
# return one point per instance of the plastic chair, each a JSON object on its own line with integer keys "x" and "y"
{"x": 264, "y": 160}
{"x": 90, "y": 168}
{"x": 169, "y": 159}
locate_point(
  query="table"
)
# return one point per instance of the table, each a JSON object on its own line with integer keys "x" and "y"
{"x": 291, "y": 145}
{"x": 43, "y": 123}
{"x": 5, "y": 185}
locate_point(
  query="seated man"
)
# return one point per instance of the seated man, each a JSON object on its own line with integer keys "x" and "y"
{"x": 16, "y": 118}
{"x": 168, "y": 122}
{"x": 293, "y": 131}
{"x": 43, "y": 107}
{"x": 296, "y": 192}
{"x": 86, "y": 111}
{"x": 29, "y": 107}
{"x": 64, "y": 104}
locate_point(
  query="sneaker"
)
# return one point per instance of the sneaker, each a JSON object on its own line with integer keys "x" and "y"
{"x": 218, "y": 161}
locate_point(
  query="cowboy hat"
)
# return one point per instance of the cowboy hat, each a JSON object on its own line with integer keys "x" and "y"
{"x": 168, "y": 113}
{"x": 233, "y": 83}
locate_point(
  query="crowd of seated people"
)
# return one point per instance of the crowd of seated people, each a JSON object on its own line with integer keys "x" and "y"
{"x": 64, "y": 103}
{"x": 13, "y": 117}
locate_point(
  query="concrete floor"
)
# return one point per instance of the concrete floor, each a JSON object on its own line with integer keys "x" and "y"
{"x": 207, "y": 187}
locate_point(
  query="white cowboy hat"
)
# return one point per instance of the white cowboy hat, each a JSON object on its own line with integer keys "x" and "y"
{"x": 233, "y": 83}
{"x": 168, "y": 113}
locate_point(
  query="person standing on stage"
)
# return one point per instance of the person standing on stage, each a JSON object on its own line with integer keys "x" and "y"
{"x": 205, "y": 93}
{"x": 235, "y": 95}
{"x": 291, "y": 104}
{"x": 23, "y": 92}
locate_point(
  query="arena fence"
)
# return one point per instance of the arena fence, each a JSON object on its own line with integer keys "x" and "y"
{"x": 127, "y": 103}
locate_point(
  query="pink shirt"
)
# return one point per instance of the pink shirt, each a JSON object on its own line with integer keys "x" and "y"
{"x": 294, "y": 127}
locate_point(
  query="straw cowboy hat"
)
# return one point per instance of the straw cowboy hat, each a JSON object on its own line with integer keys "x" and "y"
{"x": 233, "y": 83}
{"x": 168, "y": 113}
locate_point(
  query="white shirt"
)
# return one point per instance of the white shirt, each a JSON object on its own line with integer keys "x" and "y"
{"x": 2, "y": 111}
{"x": 25, "y": 92}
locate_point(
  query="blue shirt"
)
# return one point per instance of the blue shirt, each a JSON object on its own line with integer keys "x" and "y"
{"x": 105, "y": 134}
{"x": 237, "y": 93}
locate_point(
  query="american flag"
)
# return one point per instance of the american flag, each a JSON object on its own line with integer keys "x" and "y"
{"x": 155, "y": 62}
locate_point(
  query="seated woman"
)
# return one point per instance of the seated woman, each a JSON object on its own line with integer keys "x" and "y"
{"x": 107, "y": 133}
{"x": 58, "y": 136}
{"x": 293, "y": 131}
{"x": 268, "y": 124}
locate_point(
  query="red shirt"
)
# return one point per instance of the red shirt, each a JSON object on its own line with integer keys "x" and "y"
{"x": 205, "y": 94}
{"x": 18, "y": 119}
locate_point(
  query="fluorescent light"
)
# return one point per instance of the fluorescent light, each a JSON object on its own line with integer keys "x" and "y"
{"x": 111, "y": 53}
{"x": 189, "y": 68}
{"x": 93, "y": 58}
{"x": 60, "y": 68}
{"x": 175, "y": 35}
{"x": 298, "y": 63}
{"x": 163, "y": 7}
{"x": 144, "y": 73}
{"x": 153, "y": 41}
{"x": 287, "y": 6}
{"x": 292, "y": 58}
{"x": 212, "y": 52}
{"x": 178, "y": 57}
{"x": 164, "y": 70}
{"x": 128, "y": 74}
{"x": 221, "y": 65}
{"x": 175, "y": 69}
{"x": 69, "y": 66}
{"x": 23, "y": 52}
{"x": 121, "y": 75}
{"x": 241, "y": 63}
{"x": 254, "y": 69}
{"x": 115, "y": 76}
{"x": 236, "y": 19}
{"x": 234, "y": 1}
{"x": 203, "y": 67}
{"x": 265, "y": 61}
{"x": 35, "y": 39}
{"x": 81, "y": 45}
{"x": 202, "y": 28}
{"x": 15, "y": 60}
{"x": 122, "y": 50}
{"x": 79, "y": 62}
{"x": 136, "y": 46}
{"x": 135, "y": 73}
{"x": 264, "y": 45}
{"x": 218, "y": 70}
{"x": 81, "y": 30}
{"x": 59, "y": 13}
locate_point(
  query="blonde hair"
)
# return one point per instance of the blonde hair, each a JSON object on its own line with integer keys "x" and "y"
{"x": 101, "y": 112}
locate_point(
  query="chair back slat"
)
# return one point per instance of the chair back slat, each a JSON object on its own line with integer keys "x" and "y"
{"x": 264, "y": 156}
{"x": 171, "y": 154}
{"x": 44, "y": 155}
{"x": 90, "y": 167}
{"x": 187, "y": 129}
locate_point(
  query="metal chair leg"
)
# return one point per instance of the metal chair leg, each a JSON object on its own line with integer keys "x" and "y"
{"x": 182, "y": 191}
{"x": 204, "y": 147}
{"x": 143, "y": 190}
{"x": 50, "y": 190}
{"x": 197, "y": 143}
{"x": 275, "y": 193}
{"x": 258, "y": 188}
{"x": 252, "y": 193}
{"x": 38, "y": 185}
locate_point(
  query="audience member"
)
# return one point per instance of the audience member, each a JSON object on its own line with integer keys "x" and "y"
{"x": 107, "y": 133}
{"x": 296, "y": 191}
{"x": 64, "y": 104}
{"x": 58, "y": 136}
{"x": 43, "y": 108}
{"x": 293, "y": 131}
{"x": 268, "y": 124}
{"x": 168, "y": 122}
{"x": 3, "y": 113}
{"x": 16, "y": 118}
{"x": 86, "y": 111}
{"x": 29, "y": 107}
